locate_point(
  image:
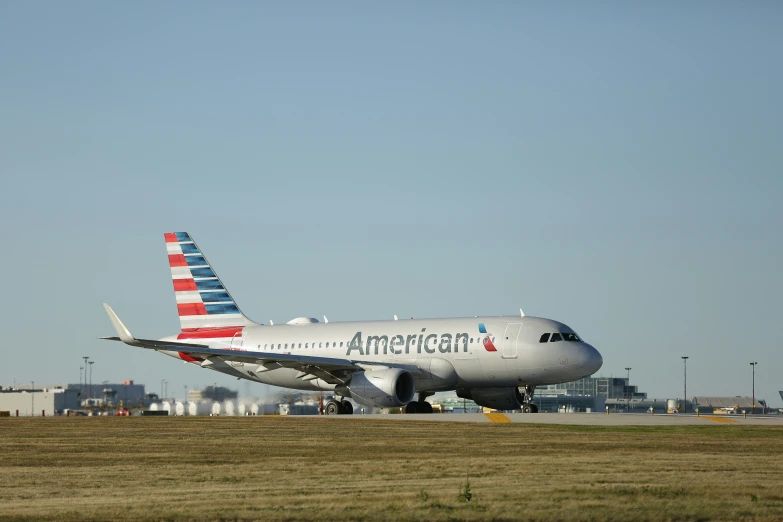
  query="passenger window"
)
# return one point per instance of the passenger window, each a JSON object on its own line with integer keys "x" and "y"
{"x": 286, "y": 345}
{"x": 300, "y": 345}
{"x": 556, "y": 337}
{"x": 544, "y": 338}
{"x": 471, "y": 340}
{"x": 341, "y": 344}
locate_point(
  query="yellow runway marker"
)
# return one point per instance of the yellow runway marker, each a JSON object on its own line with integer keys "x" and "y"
{"x": 717, "y": 419}
{"x": 497, "y": 417}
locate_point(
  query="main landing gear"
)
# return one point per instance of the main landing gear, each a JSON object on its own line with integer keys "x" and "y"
{"x": 420, "y": 406}
{"x": 333, "y": 407}
{"x": 527, "y": 399}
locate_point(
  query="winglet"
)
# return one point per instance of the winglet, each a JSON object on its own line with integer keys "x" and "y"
{"x": 325, "y": 319}
{"x": 122, "y": 331}
{"x": 395, "y": 317}
{"x": 521, "y": 313}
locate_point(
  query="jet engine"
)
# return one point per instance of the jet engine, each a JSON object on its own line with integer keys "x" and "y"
{"x": 389, "y": 388}
{"x": 496, "y": 398}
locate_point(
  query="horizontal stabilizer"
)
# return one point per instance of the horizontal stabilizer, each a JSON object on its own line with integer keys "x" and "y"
{"x": 126, "y": 337}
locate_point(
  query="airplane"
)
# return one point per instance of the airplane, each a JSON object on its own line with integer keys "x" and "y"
{"x": 495, "y": 361}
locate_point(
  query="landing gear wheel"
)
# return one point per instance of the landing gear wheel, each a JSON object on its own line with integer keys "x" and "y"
{"x": 347, "y": 408}
{"x": 418, "y": 407}
{"x": 533, "y": 408}
{"x": 333, "y": 408}
{"x": 424, "y": 407}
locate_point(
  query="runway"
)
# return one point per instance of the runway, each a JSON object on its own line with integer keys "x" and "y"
{"x": 580, "y": 419}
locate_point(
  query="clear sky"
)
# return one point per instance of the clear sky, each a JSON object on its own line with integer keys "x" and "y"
{"x": 615, "y": 166}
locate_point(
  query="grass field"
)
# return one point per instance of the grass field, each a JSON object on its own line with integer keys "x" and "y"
{"x": 275, "y": 468}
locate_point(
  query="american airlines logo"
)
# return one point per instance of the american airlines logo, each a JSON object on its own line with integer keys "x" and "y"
{"x": 422, "y": 342}
{"x": 488, "y": 345}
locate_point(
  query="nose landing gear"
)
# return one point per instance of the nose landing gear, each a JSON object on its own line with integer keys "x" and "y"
{"x": 527, "y": 399}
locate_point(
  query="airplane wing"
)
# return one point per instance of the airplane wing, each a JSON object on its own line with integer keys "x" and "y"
{"x": 331, "y": 370}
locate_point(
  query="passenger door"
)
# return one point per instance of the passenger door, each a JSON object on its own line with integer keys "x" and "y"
{"x": 510, "y": 340}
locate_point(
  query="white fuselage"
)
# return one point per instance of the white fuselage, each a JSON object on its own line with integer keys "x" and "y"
{"x": 443, "y": 354}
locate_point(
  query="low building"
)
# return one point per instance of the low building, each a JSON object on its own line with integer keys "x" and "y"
{"x": 569, "y": 403}
{"x": 111, "y": 393}
{"x": 213, "y": 393}
{"x": 606, "y": 387}
{"x": 736, "y": 404}
{"x": 38, "y": 401}
{"x": 644, "y": 405}
{"x": 455, "y": 404}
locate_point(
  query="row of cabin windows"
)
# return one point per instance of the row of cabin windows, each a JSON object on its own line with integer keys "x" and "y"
{"x": 557, "y": 336}
{"x": 282, "y": 346}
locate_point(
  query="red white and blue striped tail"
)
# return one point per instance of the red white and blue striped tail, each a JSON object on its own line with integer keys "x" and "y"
{"x": 202, "y": 300}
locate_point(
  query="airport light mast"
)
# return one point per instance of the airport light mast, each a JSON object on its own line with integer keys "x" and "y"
{"x": 91, "y": 363}
{"x": 84, "y": 386}
{"x": 685, "y": 385}
{"x": 628, "y": 389}
{"x": 753, "y": 404}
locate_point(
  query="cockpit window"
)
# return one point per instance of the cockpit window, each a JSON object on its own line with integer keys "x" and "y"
{"x": 544, "y": 338}
{"x": 571, "y": 337}
{"x": 556, "y": 337}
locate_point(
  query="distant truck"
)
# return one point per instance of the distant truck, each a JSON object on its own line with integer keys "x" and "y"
{"x": 727, "y": 411}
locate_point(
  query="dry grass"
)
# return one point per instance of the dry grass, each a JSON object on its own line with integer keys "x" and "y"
{"x": 272, "y": 468}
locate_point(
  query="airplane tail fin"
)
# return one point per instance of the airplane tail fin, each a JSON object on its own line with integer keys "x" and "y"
{"x": 202, "y": 300}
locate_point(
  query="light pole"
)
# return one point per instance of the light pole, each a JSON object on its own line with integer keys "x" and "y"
{"x": 91, "y": 363}
{"x": 685, "y": 385}
{"x": 753, "y": 404}
{"x": 628, "y": 389}
{"x": 32, "y": 400}
{"x": 84, "y": 386}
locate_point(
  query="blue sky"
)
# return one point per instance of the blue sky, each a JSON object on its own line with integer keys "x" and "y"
{"x": 613, "y": 166}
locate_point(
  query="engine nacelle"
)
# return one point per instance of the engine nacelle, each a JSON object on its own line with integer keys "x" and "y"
{"x": 390, "y": 388}
{"x": 495, "y": 398}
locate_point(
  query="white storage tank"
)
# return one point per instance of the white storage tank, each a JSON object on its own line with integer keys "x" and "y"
{"x": 254, "y": 409}
{"x": 228, "y": 407}
{"x": 216, "y": 408}
{"x": 179, "y": 409}
{"x": 168, "y": 406}
{"x": 199, "y": 408}
{"x": 154, "y": 406}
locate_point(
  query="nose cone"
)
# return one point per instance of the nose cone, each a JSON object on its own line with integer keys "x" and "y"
{"x": 590, "y": 359}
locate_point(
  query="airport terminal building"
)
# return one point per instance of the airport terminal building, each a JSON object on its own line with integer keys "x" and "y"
{"x": 606, "y": 387}
{"x": 35, "y": 402}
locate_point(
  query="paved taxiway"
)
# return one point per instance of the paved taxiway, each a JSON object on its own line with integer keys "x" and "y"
{"x": 584, "y": 419}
